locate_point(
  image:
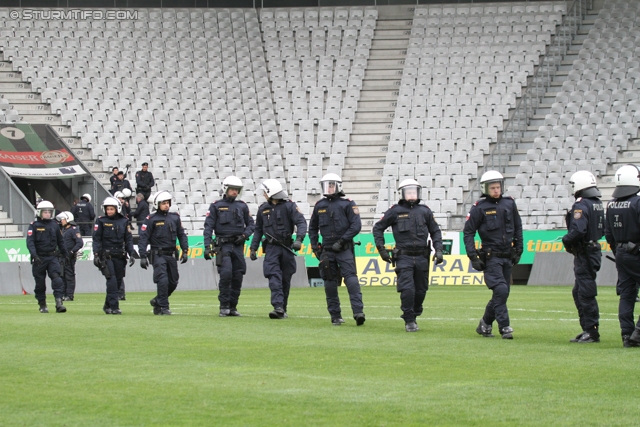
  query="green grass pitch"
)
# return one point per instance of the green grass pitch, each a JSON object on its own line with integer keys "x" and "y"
{"x": 85, "y": 368}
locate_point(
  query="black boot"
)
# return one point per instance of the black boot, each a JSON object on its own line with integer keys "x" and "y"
{"x": 411, "y": 327}
{"x": 59, "y": 307}
{"x": 43, "y": 308}
{"x": 359, "y": 317}
{"x": 277, "y": 313}
{"x": 165, "y": 312}
{"x": 635, "y": 336}
{"x": 234, "y": 312}
{"x": 507, "y": 333}
{"x": 484, "y": 329}
{"x": 156, "y": 307}
{"x": 626, "y": 342}
{"x": 577, "y": 338}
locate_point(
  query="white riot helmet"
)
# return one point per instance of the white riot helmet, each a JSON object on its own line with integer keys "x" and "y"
{"x": 112, "y": 201}
{"x": 331, "y": 185}
{"x": 43, "y": 206}
{"x": 118, "y": 195}
{"x": 161, "y": 196}
{"x": 232, "y": 182}
{"x": 627, "y": 181}
{"x": 491, "y": 177}
{"x": 86, "y": 196}
{"x": 273, "y": 189}
{"x": 65, "y": 215}
{"x": 126, "y": 193}
{"x": 583, "y": 184}
{"x": 410, "y": 190}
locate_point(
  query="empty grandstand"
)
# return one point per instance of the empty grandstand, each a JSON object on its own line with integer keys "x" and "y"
{"x": 377, "y": 94}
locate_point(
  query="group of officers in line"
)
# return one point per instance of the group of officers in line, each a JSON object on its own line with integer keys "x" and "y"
{"x": 336, "y": 219}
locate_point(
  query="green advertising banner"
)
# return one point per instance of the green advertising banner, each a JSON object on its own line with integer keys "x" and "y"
{"x": 15, "y": 250}
{"x": 537, "y": 241}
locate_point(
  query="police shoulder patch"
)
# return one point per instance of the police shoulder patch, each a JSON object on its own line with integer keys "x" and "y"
{"x": 356, "y": 210}
{"x": 144, "y": 227}
{"x": 78, "y": 235}
{"x": 95, "y": 227}
{"x": 30, "y": 232}
{"x": 577, "y": 214}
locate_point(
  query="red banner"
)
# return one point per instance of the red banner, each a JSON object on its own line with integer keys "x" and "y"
{"x": 34, "y": 157}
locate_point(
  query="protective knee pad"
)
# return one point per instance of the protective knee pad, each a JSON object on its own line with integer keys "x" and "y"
{"x": 501, "y": 292}
{"x": 54, "y": 276}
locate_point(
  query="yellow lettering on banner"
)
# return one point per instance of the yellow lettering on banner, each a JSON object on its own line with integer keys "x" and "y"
{"x": 455, "y": 270}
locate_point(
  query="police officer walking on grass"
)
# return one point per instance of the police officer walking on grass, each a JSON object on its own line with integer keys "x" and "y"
{"x": 232, "y": 223}
{"x": 622, "y": 231}
{"x": 412, "y": 224}
{"x": 73, "y": 242}
{"x": 112, "y": 241}
{"x": 497, "y": 220}
{"x": 585, "y": 225}
{"x": 84, "y": 213}
{"x": 160, "y": 230}
{"x": 45, "y": 242}
{"x": 337, "y": 219}
{"x": 275, "y": 221}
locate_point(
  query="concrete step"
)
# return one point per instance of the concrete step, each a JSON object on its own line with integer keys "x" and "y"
{"x": 379, "y": 94}
{"x": 362, "y": 162}
{"x": 386, "y": 74}
{"x": 371, "y": 128}
{"x": 374, "y": 116}
{"x": 377, "y": 106}
{"x": 388, "y": 53}
{"x": 45, "y": 118}
{"x": 367, "y": 140}
{"x": 395, "y": 33}
{"x": 3, "y": 215}
{"x": 377, "y": 44}
{"x": 12, "y": 87}
{"x": 10, "y": 77}
{"x": 33, "y": 108}
{"x": 384, "y": 64}
{"x": 21, "y": 97}
{"x": 381, "y": 84}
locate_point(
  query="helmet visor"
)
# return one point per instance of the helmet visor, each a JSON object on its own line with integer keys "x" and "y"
{"x": 411, "y": 193}
{"x": 490, "y": 188}
{"x": 330, "y": 188}
{"x": 46, "y": 213}
{"x": 236, "y": 188}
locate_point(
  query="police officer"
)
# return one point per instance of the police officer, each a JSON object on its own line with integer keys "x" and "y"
{"x": 412, "y": 224}
{"x": 112, "y": 241}
{"x": 585, "y": 223}
{"x": 144, "y": 181}
{"x": 160, "y": 230}
{"x": 73, "y": 242}
{"x": 44, "y": 240}
{"x": 497, "y": 220}
{"x": 142, "y": 208}
{"x": 125, "y": 212}
{"x": 83, "y": 213}
{"x": 120, "y": 183}
{"x": 232, "y": 223}
{"x": 622, "y": 231}
{"x": 275, "y": 221}
{"x": 338, "y": 221}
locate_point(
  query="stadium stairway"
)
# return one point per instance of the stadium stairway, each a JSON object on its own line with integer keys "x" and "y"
{"x": 631, "y": 154}
{"x": 373, "y": 121}
{"x": 7, "y": 228}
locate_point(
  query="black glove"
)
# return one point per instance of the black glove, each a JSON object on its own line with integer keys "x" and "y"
{"x": 37, "y": 260}
{"x": 144, "y": 262}
{"x": 240, "y": 239}
{"x": 438, "y": 258}
{"x": 297, "y": 245}
{"x": 96, "y": 260}
{"x": 208, "y": 254}
{"x": 70, "y": 256}
{"x": 252, "y": 255}
{"x": 185, "y": 257}
{"x": 515, "y": 258}
{"x": 132, "y": 260}
{"x": 384, "y": 254}
{"x": 317, "y": 251}
{"x": 337, "y": 246}
{"x": 477, "y": 263}
{"x": 567, "y": 245}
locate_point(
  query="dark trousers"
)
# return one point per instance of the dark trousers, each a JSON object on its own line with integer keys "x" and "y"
{"x": 413, "y": 283}
{"x": 49, "y": 265}
{"x": 585, "y": 290}
{"x": 86, "y": 229}
{"x": 70, "y": 278}
{"x": 342, "y": 263}
{"x": 231, "y": 274}
{"x": 117, "y": 268}
{"x": 628, "y": 266}
{"x": 279, "y": 266}
{"x": 497, "y": 277}
{"x": 165, "y": 276}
